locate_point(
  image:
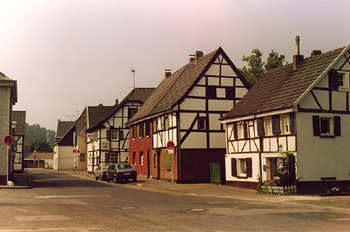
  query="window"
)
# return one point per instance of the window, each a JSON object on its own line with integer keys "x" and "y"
{"x": 115, "y": 134}
{"x": 241, "y": 168}
{"x": 141, "y": 130}
{"x": 202, "y": 123}
{"x": 241, "y": 130}
{"x": 166, "y": 123}
{"x": 82, "y": 157}
{"x": 131, "y": 112}
{"x": 343, "y": 80}
{"x": 114, "y": 158}
{"x": 268, "y": 126}
{"x": 211, "y": 91}
{"x": 134, "y": 157}
{"x": 230, "y": 93}
{"x": 285, "y": 124}
{"x": 147, "y": 129}
{"x": 141, "y": 158}
{"x": 134, "y": 132}
{"x": 155, "y": 129}
{"x": 326, "y": 126}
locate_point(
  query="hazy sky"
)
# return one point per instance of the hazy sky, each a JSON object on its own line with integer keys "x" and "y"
{"x": 66, "y": 54}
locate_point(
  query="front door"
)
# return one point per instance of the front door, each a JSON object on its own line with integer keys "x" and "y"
{"x": 271, "y": 168}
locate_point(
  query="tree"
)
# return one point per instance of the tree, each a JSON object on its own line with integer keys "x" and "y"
{"x": 257, "y": 68}
{"x": 35, "y": 133}
{"x": 40, "y": 145}
{"x": 274, "y": 61}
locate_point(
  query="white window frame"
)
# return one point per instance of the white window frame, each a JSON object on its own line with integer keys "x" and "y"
{"x": 285, "y": 125}
{"x": 331, "y": 127}
{"x": 344, "y": 79}
{"x": 242, "y": 167}
{"x": 240, "y": 130}
{"x": 115, "y": 134}
{"x": 268, "y": 126}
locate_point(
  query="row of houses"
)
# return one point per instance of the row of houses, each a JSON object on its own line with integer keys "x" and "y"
{"x": 12, "y": 131}
{"x": 206, "y": 123}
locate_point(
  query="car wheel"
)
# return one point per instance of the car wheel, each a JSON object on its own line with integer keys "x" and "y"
{"x": 107, "y": 178}
{"x": 134, "y": 179}
{"x": 96, "y": 177}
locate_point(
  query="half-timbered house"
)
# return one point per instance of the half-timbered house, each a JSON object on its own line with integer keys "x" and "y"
{"x": 108, "y": 140}
{"x": 301, "y": 107}
{"x": 19, "y": 131}
{"x": 90, "y": 116}
{"x": 177, "y": 134}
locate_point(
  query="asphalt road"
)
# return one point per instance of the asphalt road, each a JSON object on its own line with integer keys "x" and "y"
{"x": 63, "y": 202}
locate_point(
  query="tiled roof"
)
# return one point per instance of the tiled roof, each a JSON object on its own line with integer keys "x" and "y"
{"x": 282, "y": 87}
{"x": 172, "y": 89}
{"x": 63, "y": 127}
{"x": 97, "y": 113}
{"x": 137, "y": 94}
{"x": 20, "y": 118}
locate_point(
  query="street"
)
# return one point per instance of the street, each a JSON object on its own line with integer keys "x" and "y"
{"x": 66, "y": 202}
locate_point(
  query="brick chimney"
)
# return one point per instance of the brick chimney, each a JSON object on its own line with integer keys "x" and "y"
{"x": 167, "y": 73}
{"x": 297, "y": 59}
{"x": 197, "y": 55}
{"x": 191, "y": 58}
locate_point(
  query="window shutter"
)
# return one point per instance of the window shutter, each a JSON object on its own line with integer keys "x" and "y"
{"x": 333, "y": 78}
{"x": 245, "y": 129}
{"x": 235, "y": 132}
{"x": 261, "y": 131}
{"x": 337, "y": 130}
{"x": 121, "y": 134}
{"x": 107, "y": 158}
{"x": 249, "y": 167}
{"x": 276, "y": 126}
{"x": 316, "y": 125}
{"x": 292, "y": 123}
{"x": 108, "y": 135}
{"x": 233, "y": 167}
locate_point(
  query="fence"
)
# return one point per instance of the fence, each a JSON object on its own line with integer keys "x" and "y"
{"x": 280, "y": 190}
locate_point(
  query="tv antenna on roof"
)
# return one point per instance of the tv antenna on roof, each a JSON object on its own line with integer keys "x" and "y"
{"x": 133, "y": 75}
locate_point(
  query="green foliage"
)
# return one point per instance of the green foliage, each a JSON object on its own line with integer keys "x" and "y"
{"x": 39, "y": 135}
{"x": 40, "y": 145}
{"x": 285, "y": 175}
{"x": 257, "y": 68}
{"x": 274, "y": 60}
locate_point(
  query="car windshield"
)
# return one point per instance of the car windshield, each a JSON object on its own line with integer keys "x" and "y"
{"x": 124, "y": 166}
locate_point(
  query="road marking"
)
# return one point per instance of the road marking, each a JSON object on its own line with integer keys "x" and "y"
{"x": 71, "y": 196}
{"x": 42, "y": 218}
{"x": 341, "y": 219}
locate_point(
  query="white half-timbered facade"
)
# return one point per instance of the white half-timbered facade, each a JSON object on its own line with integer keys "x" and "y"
{"x": 185, "y": 109}
{"x": 19, "y": 131}
{"x": 302, "y": 108}
{"x": 108, "y": 140}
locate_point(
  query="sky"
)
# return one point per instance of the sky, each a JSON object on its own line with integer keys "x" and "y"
{"x": 66, "y": 54}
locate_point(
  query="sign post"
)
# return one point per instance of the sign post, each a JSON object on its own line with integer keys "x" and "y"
{"x": 171, "y": 145}
{"x": 8, "y": 140}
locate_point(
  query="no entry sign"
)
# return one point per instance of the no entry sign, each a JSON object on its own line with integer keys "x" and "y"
{"x": 8, "y": 140}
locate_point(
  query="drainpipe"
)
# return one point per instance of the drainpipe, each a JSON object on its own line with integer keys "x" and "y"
{"x": 178, "y": 144}
{"x": 260, "y": 159}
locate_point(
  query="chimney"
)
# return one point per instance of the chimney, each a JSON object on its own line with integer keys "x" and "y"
{"x": 198, "y": 54}
{"x": 116, "y": 101}
{"x": 191, "y": 58}
{"x": 315, "y": 53}
{"x": 167, "y": 73}
{"x": 297, "y": 59}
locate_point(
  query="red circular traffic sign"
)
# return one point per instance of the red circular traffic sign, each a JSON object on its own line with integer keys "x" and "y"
{"x": 8, "y": 140}
{"x": 170, "y": 145}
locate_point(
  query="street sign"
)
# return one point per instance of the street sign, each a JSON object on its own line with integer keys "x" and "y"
{"x": 8, "y": 140}
{"x": 74, "y": 151}
{"x": 170, "y": 145}
{"x": 78, "y": 151}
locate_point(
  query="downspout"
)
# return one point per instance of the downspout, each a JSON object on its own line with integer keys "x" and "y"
{"x": 260, "y": 159}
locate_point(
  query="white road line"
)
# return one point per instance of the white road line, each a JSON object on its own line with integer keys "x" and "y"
{"x": 53, "y": 229}
{"x": 71, "y": 196}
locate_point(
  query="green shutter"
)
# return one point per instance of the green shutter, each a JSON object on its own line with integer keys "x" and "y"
{"x": 316, "y": 125}
{"x": 337, "y": 130}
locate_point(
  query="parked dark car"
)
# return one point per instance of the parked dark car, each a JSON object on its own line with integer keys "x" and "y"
{"x": 100, "y": 172}
{"x": 121, "y": 172}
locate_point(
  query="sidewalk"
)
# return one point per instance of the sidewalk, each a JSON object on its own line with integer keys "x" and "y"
{"x": 21, "y": 181}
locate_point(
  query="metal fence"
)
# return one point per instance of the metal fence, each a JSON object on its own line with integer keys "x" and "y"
{"x": 280, "y": 190}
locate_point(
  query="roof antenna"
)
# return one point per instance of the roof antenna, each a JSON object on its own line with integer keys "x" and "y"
{"x": 133, "y": 75}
